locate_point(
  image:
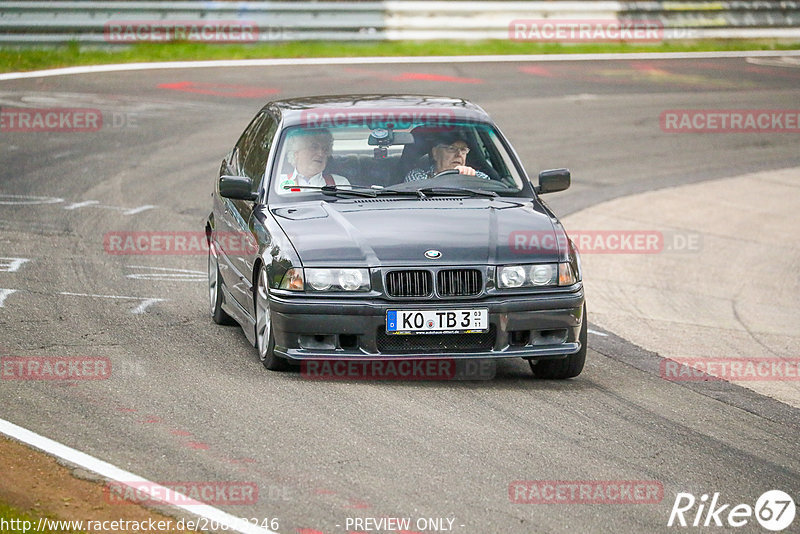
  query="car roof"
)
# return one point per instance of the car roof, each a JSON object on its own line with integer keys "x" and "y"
{"x": 297, "y": 110}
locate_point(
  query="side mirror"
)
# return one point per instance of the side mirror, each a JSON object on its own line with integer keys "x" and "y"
{"x": 236, "y": 188}
{"x": 553, "y": 181}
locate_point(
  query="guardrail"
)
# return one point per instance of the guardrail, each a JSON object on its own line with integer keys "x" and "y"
{"x": 92, "y": 22}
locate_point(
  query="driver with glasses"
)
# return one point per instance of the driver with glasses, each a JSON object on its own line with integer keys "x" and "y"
{"x": 449, "y": 151}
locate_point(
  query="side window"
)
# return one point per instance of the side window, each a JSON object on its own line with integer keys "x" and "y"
{"x": 254, "y": 162}
{"x": 242, "y": 148}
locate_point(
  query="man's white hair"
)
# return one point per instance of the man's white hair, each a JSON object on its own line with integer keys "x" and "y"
{"x": 294, "y": 138}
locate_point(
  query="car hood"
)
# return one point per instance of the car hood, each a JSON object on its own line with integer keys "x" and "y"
{"x": 399, "y": 232}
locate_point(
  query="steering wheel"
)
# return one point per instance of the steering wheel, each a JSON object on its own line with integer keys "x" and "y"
{"x": 446, "y": 172}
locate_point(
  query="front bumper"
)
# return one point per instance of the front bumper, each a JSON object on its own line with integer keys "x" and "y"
{"x": 521, "y": 326}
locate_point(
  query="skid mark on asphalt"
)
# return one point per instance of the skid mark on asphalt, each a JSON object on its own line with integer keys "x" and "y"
{"x": 655, "y": 72}
{"x": 784, "y": 61}
{"x": 426, "y": 77}
{"x": 413, "y": 76}
{"x": 196, "y": 445}
{"x": 220, "y": 89}
{"x": 355, "y": 504}
{"x": 115, "y": 104}
{"x": 241, "y": 461}
{"x": 537, "y": 71}
{"x": 649, "y": 73}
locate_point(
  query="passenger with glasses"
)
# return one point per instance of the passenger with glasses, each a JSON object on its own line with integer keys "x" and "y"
{"x": 449, "y": 151}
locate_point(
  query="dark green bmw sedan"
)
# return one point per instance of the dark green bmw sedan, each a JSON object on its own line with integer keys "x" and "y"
{"x": 378, "y": 227}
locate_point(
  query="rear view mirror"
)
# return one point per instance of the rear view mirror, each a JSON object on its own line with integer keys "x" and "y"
{"x": 236, "y": 188}
{"x": 553, "y": 181}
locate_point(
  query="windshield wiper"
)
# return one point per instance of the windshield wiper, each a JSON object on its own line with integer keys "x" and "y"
{"x": 337, "y": 190}
{"x": 456, "y": 192}
{"x": 409, "y": 193}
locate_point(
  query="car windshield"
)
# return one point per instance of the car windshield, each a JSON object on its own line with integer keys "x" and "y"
{"x": 456, "y": 158}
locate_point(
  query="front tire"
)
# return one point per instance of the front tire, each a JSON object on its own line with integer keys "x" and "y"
{"x": 215, "y": 290}
{"x": 265, "y": 340}
{"x": 562, "y": 368}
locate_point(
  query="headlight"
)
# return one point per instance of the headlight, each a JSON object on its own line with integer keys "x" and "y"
{"x": 538, "y": 275}
{"x": 543, "y": 275}
{"x": 512, "y": 276}
{"x": 337, "y": 279}
{"x": 353, "y": 279}
{"x": 320, "y": 279}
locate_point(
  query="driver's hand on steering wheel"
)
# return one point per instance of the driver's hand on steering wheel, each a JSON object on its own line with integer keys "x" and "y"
{"x": 464, "y": 169}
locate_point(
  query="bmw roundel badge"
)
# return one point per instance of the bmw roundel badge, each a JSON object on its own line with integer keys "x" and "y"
{"x": 433, "y": 254}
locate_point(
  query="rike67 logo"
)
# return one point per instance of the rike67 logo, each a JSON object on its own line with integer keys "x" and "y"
{"x": 774, "y": 510}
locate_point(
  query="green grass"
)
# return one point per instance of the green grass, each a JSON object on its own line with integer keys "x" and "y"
{"x": 11, "y": 517}
{"x": 25, "y": 59}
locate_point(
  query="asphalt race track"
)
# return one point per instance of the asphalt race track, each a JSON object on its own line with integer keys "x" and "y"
{"x": 187, "y": 400}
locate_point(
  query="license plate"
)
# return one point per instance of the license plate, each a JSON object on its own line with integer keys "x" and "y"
{"x": 437, "y": 321}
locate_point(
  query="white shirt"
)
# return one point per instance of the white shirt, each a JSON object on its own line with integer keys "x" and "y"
{"x": 316, "y": 181}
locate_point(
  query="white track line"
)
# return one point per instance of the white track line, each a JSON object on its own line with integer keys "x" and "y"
{"x": 92, "y": 69}
{"x": 4, "y": 294}
{"x": 116, "y": 474}
{"x": 186, "y": 271}
{"x": 138, "y": 310}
